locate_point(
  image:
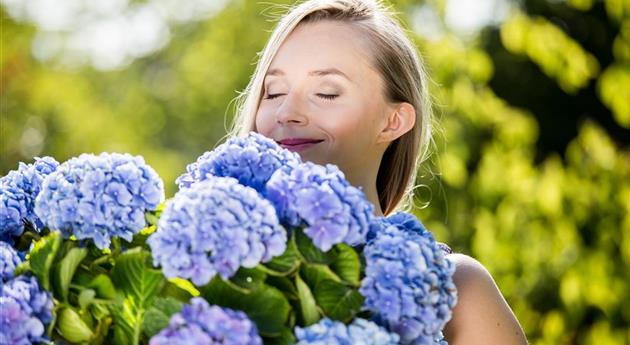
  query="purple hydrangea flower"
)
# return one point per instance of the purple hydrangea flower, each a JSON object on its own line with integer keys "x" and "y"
{"x": 360, "y": 331}
{"x": 25, "y": 309}
{"x": 18, "y": 190}
{"x": 408, "y": 282}
{"x": 17, "y": 325}
{"x": 216, "y": 226}
{"x": 252, "y": 160}
{"x": 99, "y": 197}
{"x": 26, "y": 291}
{"x": 321, "y": 199}
{"x": 9, "y": 260}
{"x": 201, "y": 324}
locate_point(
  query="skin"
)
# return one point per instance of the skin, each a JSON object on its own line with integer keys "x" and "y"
{"x": 481, "y": 316}
{"x": 304, "y": 97}
{"x": 321, "y": 85}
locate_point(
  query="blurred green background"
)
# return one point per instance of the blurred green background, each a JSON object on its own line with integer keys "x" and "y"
{"x": 531, "y": 166}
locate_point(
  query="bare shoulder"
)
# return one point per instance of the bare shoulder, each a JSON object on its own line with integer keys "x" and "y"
{"x": 481, "y": 316}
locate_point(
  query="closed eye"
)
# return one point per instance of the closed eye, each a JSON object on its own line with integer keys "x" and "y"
{"x": 320, "y": 95}
{"x": 328, "y": 97}
{"x": 274, "y": 95}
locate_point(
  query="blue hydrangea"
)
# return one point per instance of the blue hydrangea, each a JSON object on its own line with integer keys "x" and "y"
{"x": 202, "y": 324}
{"x": 25, "y": 309}
{"x": 99, "y": 197}
{"x": 17, "y": 325}
{"x": 252, "y": 160}
{"x": 321, "y": 199}
{"x": 9, "y": 260}
{"x": 377, "y": 224}
{"x": 18, "y": 190}
{"x": 408, "y": 281}
{"x": 26, "y": 291}
{"x": 402, "y": 220}
{"x": 440, "y": 340}
{"x": 360, "y": 331}
{"x": 216, "y": 226}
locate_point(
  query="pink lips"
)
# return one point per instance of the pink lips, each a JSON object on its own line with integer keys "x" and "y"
{"x": 298, "y": 144}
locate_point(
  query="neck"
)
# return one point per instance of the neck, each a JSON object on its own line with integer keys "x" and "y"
{"x": 372, "y": 196}
{"x": 368, "y": 186}
{"x": 364, "y": 176}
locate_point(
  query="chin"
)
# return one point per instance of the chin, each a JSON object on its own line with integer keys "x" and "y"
{"x": 309, "y": 157}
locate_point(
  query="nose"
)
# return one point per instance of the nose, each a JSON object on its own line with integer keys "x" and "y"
{"x": 291, "y": 111}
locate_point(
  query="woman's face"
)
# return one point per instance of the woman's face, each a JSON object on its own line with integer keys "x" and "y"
{"x": 323, "y": 99}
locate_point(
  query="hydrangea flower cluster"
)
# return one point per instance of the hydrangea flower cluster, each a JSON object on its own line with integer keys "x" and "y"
{"x": 26, "y": 291}
{"x": 21, "y": 328}
{"x": 18, "y": 190}
{"x": 320, "y": 198}
{"x": 403, "y": 220}
{"x": 25, "y": 309}
{"x": 360, "y": 331}
{"x": 252, "y": 160}
{"x": 99, "y": 197}
{"x": 201, "y": 324}
{"x": 216, "y": 226}
{"x": 408, "y": 281}
{"x": 9, "y": 260}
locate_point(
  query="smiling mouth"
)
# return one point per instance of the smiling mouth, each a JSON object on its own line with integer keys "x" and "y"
{"x": 298, "y": 145}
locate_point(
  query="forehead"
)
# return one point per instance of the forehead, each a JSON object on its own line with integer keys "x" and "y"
{"x": 325, "y": 44}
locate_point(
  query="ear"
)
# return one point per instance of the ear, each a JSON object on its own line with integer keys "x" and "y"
{"x": 400, "y": 121}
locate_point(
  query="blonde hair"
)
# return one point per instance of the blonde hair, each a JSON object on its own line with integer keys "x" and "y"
{"x": 401, "y": 68}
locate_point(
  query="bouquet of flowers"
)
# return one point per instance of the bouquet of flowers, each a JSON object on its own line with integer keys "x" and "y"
{"x": 256, "y": 247}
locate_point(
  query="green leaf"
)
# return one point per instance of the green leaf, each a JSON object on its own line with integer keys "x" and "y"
{"x": 167, "y": 305}
{"x": 338, "y": 301}
{"x": 71, "y": 327}
{"x": 308, "y": 308}
{"x": 103, "y": 286}
{"x": 266, "y": 306}
{"x": 285, "y": 285}
{"x": 86, "y": 297}
{"x": 347, "y": 264}
{"x": 43, "y": 255}
{"x": 127, "y": 322}
{"x": 140, "y": 284}
{"x": 171, "y": 289}
{"x": 185, "y": 285}
{"x": 285, "y": 338}
{"x": 288, "y": 261}
{"x": 151, "y": 218}
{"x": 309, "y": 251}
{"x": 313, "y": 274}
{"x": 52, "y": 326}
{"x": 249, "y": 278}
{"x": 101, "y": 330}
{"x": 135, "y": 278}
{"x": 100, "y": 311}
{"x": 154, "y": 322}
{"x": 148, "y": 230}
{"x": 64, "y": 271}
{"x": 157, "y": 317}
{"x": 22, "y": 268}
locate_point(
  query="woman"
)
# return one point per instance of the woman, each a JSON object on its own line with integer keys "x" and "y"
{"x": 340, "y": 82}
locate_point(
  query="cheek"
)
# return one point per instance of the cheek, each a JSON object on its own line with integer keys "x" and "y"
{"x": 346, "y": 130}
{"x": 356, "y": 122}
{"x": 262, "y": 123}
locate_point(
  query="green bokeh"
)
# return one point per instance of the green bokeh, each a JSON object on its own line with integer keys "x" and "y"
{"x": 537, "y": 190}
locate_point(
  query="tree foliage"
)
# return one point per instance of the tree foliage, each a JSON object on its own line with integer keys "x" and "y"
{"x": 531, "y": 166}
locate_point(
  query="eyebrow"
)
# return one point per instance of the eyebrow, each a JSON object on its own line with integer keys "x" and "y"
{"x": 318, "y": 73}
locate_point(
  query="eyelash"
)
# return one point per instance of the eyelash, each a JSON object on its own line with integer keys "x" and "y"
{"x": 327, "y": 97}
{"x": 320, "y": 95}
{"x": 273, "y": 96}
